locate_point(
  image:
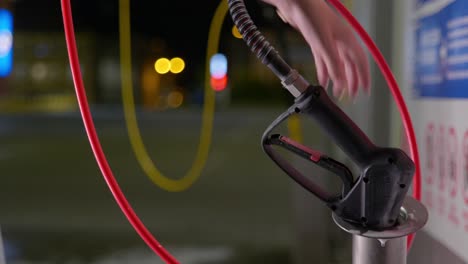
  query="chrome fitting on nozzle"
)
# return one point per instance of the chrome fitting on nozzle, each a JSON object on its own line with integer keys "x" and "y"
{"x": 295, "y": 83}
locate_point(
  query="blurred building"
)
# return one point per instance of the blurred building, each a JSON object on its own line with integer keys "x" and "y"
{"x": 41, "y": 77}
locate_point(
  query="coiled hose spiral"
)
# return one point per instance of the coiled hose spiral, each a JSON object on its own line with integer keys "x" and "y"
{"x": 256, "y": 41}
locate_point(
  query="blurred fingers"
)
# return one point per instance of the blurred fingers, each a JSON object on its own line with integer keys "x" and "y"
{"x": 335, "y": 67}
{"x": 351, "y": 75}
{"x": 358, "y": 54}
{"x": 322, "y": 72}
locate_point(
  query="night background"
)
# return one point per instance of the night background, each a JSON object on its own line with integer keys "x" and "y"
{"x": 182, "y": 26}
{"x": 54, "y": 205}
{"x": 181, "y": 129}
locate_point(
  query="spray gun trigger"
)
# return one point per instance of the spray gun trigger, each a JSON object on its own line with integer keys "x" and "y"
{"x": 330, "y": 164}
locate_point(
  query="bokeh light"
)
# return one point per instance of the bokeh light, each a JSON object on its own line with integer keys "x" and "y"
{"x": 162, "y": 65}
{"x": 177, "y": 65}
{"x": 39, "y": 71}
{"x": 175, "y": 99}
{"x": 218, "y": 65}
{"x": 219, "y": 84}
{"x": 236, "y": 33}
{"x": 6, "y": 42}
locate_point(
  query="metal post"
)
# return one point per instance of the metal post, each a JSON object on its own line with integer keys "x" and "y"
{"x": 371, "y": 251}
{"x": 386, "y": 246}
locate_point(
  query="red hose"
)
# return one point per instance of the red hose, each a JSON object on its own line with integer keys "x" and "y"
{"x": 95, "y": 144}
{"x": 392, "y": 83}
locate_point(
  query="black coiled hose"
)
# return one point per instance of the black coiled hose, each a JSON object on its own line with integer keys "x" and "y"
{"x": 256, "y": 41}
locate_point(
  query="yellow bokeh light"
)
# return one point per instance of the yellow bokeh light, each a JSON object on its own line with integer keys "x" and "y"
{"x": 162, "y": 66}
{"x": 175, "y": 99}
{"x": 177, "y": 65}
{"x": 236, "y": 33}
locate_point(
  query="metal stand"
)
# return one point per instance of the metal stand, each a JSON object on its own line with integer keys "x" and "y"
{"x": 370, "y": 250}
{"x": 386, "y": 246}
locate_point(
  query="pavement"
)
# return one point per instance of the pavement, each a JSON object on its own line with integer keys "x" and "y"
{"x": 56, "y": 208}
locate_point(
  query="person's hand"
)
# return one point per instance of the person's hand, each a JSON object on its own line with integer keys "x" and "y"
{"x": 338, "y": 55}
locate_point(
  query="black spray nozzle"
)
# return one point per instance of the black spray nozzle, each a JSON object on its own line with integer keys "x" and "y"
{"x": 385, "y": 174}
{"x": 375, "y": 198}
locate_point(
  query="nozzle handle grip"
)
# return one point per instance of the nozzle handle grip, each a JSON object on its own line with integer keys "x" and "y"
{"x": 316, "y": 104}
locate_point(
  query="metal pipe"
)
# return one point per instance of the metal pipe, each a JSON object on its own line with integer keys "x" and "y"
{"x": 387, "y": 246}
{"x": 371, "y": 251}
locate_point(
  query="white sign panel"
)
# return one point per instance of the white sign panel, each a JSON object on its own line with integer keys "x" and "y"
{"x": 439, "y": 107}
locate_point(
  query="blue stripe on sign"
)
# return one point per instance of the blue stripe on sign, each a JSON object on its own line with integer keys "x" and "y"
{"x": 441, "y": 50}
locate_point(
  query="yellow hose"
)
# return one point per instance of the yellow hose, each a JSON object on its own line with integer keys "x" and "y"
{"x": 145, "y": 161}
{"x": 295, "y": 128}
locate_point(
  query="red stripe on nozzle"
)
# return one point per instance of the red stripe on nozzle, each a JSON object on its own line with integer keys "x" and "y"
{"x": 314, "y": 155}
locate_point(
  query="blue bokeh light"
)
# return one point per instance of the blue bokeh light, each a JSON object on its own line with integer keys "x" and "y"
{"x": 218, "y": 65}
{"x": 6, "y": 42}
